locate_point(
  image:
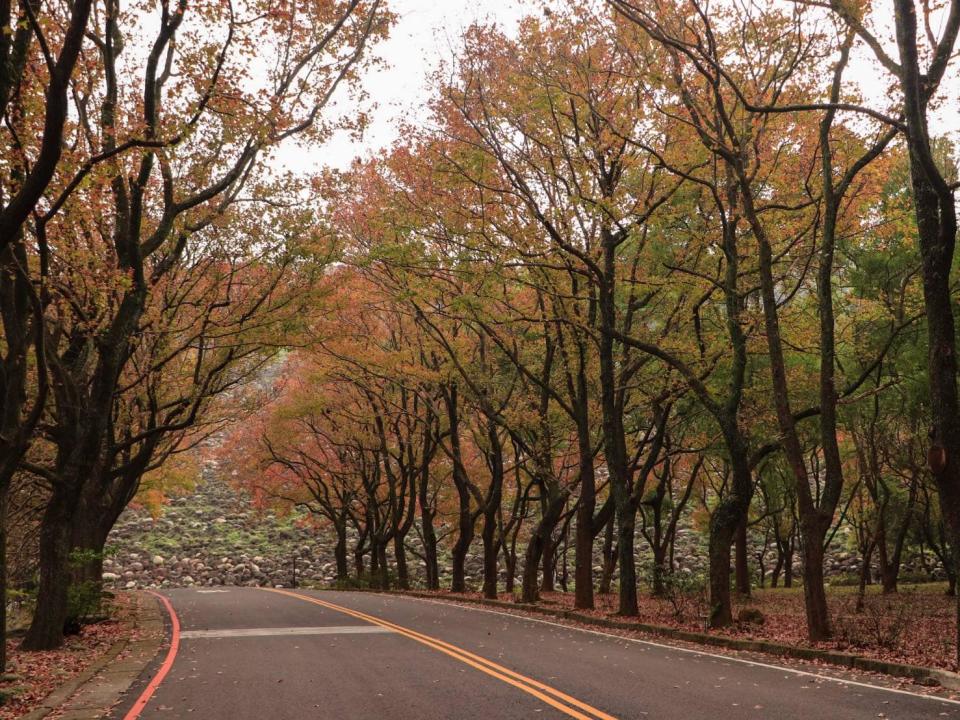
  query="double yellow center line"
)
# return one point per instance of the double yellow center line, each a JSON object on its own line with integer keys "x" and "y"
{"x": 551, "y": 696}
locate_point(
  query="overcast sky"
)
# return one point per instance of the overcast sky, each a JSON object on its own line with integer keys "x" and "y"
{"x": 426, "y": 33}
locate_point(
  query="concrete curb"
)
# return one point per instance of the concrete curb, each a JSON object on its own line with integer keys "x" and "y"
{"x": 920, "y": 675}
{"x": 92, "y": 693}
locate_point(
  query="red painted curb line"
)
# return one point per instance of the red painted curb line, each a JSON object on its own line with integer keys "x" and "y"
{"x": 148, "y": 692}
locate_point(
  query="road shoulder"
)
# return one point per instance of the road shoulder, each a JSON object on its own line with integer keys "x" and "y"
{"x": 96, "y": 690}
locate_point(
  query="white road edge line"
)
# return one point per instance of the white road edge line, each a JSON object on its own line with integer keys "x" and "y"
{"x": 678, "y": 648}
{"x": 275, "y": 631}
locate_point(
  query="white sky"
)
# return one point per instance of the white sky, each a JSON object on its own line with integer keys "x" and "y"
{"x": 426, "y": 33}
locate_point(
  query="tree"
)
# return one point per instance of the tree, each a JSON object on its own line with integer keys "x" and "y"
{"x": 739, "y": 116}
{"x": 159, "y": 206}
{"x": 918, "y": 76}
{"x": 39, "y": 50}
{"x": 534, "y": 120}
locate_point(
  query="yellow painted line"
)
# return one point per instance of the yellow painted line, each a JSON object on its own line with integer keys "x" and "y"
{"x": 533, "y": 687}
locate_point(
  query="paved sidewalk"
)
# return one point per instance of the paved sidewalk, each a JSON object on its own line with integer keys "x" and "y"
{"x": 92, "y": 693}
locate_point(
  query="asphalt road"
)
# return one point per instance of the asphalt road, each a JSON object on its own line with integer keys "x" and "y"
{"x": 247, "y": 653}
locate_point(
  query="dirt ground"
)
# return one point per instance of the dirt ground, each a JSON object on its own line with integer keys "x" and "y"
{"x": 31, "y": 676}
{"x": 916, "y": 626}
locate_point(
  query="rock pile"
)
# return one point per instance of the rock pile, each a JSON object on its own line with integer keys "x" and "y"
{"x": 213, "y": 537}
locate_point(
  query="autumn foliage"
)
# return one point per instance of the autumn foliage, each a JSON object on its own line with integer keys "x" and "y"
{"x": 645, "y": 269}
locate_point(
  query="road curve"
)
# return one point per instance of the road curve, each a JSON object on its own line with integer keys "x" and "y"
{"x": 247, "y": 653}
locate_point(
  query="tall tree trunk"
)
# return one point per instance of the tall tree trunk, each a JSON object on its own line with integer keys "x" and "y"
{"x": 22, "y": 324}
{"x": 614, "y": 440}
{"x": 815, "y": 514}
{"x": 864, "y": 575}
{"x": 88, "y": 517}
{"x": 46, "y": 628}
{"x": 491, "y": 549}
{"x": 814, "y": 595}
{"x": 891, "y": 570}
{"x": 742, "y": 568}
{"x": 814, "y": 531}
{"x": 583, "y": 541}
{"x": 548, "y": 565}
{"x": 465, "y": 519}
{"x": 539, "y": 542}
{"x": 102, "y": 499}
{"x": 888, "y": 581}
{"x": 762, "y": 571}
{"x": 510, "y": 560}
{"x": 340, "y": 553}
{"x": 788, "y": 566}
{"x": 4, "y": 495}
{"x": 659, "y": 569}
{"x": 626, "y": 526}
{"x": 374, "y": 561}
{"x": 400, "y": 535}
{"x": 400, "y": 555}
{"x": 529, "y": 585}
{"x": 429, "y": 542}
{"x": 564, "y": 569}
{"x": 384, "y": 583}
{"x": 777, "y": 569}
{"x": 510, "y": 554}
{"x": 359, "y": 550}
{"x": 491, "y": 512}
{"x": 86, "y": 567}
{"x": 609, "y": 558}
{"x": 92, "y": 520}
{"x": 722, "y": 529}
{"x": 889, "y": 577}
{"x": 458, "y": 555}
{"x": 933, "y": 202}
{"x": 726, "y": 518}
